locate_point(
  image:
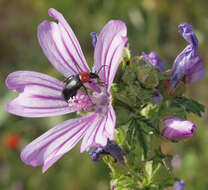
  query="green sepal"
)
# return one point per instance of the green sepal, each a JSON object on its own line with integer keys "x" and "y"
{"x": 144, "y": 95}
{"x": 147, "y": 74}
{"x": 122, "y": 115}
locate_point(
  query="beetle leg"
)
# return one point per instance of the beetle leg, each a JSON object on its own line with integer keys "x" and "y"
{"x": 87, "y": 94}
{"x": 66, "y": 79}
{"x": 99, "y": 82}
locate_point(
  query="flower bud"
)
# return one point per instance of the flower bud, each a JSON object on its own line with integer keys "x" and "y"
{"x": 177, "y": 129}
{"x": 96, "y": 152}
{"x": 176, "y": 162}
{"x": 179, "y": 185}
{"x": 188, "y": 65}
{"x": 168, "y": 91}
{"x": 94, "y": 37}
{"x": 110, "y": 149}
{"x": 153, "y": 58}
{"x": 146, "y": 73}
{"x": 157, "y": 99}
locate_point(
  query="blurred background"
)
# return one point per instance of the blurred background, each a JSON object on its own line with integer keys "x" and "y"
{"x": 152, "y": 25}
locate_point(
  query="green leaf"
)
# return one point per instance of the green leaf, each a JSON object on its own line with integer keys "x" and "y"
{"x": 135, "y": 135}
{"x": 161, "y": 174}
{"x": 122, "y": 115}
{"x": 143, "y": 135}
{"x": 173, "y": 109}
{"x": 148, "y": 168}
{"x": 149, "y": 124}
{"x": 190, "y": 105}
{"x": 144, "y": 95}
{"x": 130, "y": 132}
{"x": 142, "y": 140}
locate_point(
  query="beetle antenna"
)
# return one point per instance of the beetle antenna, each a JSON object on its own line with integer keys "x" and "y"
{"x": 77, "y": 67}
{"x": 100, "y": 69}
{"x": 88, "y": 94}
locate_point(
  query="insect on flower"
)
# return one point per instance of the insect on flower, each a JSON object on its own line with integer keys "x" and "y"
{"x": 74, "y": 82}
{"x": 43, "y": 96}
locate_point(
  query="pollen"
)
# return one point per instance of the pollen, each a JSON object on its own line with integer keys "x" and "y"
{"x": 90, "y": 102}
{"x": 81, "y": 102}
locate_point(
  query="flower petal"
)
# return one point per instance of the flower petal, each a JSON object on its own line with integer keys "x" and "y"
{"x": 100, "y": 130}
{"x": 40, "y": 95}
{"x": 108, "y": 50}
{"x": 61, "y": 46}
{"x": 111, "y": 148}
{"x": 188, "y": 34}
{"x": 179, "y": 185}
{"x": 196, "y": 70}
{"x": 153, "y": 58}
{"x": 94, "y": 37}
{"x": 52, "y": 145}
{"x": 157, "y": 99}
{"x": 187, "y": 63}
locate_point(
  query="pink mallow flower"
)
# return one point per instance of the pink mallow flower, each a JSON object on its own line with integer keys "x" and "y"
{"x": 41, "y": 95}
{"x": 177, "y": 129}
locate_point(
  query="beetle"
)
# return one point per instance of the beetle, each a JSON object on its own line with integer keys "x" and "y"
{"x": 74, "y": 82}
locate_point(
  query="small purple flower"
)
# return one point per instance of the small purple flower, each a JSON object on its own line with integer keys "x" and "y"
{"x": 187, "y": 64}
{"x": 176, "y": 162}
{"x": 153, "y": 58}
{"x": 113, "y": 187}
{"x": 96, "y": 152}
{"x": 17, "y": 185}
{"x": 157, "y": 99}
{"x": 177, "y": 128}
{"x": 94, "y": 36}
{"x": 41, "y": 95}
{"x": 179, "y": 185}
{"x": 111, "y": 148}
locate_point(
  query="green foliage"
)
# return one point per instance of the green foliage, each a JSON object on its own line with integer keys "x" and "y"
{"x": 138, "y": 121}
{"x": 170, "y": 109}
{"x": 140, "y": 172}
{"x": 189, "y": 105}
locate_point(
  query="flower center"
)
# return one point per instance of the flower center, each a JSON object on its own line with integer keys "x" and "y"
{"x": 93, "y": 101}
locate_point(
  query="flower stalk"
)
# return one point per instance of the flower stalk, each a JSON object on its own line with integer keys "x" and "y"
{"x": 143, "y": 123}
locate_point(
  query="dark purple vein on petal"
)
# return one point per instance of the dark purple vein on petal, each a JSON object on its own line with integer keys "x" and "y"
{"x": 59, "y": 53}
{"x": 106, "y": 53}
{"x": 80, "y": 56}
{"x": 72, "y": 57}
{"x": 114, "y": 52}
